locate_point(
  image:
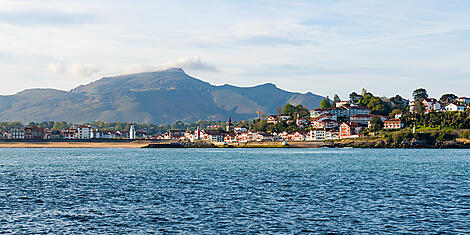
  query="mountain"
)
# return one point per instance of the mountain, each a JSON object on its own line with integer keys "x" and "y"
{"x": 155, "y": 97}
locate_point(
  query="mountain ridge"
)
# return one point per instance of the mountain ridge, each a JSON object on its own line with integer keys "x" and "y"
{"x": 154, "y": 97}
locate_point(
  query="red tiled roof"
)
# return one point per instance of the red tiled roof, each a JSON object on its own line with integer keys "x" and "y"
{"x": 351, "y": 124}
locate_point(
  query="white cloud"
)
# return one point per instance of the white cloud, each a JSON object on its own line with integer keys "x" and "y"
{"x": 75, "y": 69}
{"x": 190, "y": 63}
{"x": 54, "y": 68}
{"x": 194, "y": 63}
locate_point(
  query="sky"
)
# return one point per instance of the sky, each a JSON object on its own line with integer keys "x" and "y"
{"x": 325, "y": 47}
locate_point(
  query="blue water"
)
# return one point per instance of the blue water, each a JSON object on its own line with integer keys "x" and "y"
{"x": 234, "y": 191}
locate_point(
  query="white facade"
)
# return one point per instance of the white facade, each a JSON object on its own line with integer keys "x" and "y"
{"x": 454, "y": 107}
{"x": 83, "y": 132}
{"x": 132, "y": 133}
{"x": 16, "y": 134}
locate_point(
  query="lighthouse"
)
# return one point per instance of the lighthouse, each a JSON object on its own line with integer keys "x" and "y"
{"x": 132, "y": 133}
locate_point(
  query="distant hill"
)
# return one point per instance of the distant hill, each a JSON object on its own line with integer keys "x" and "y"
{"x": 156, "y": 97}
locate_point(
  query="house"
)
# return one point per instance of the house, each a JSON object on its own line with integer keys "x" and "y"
{"x": 273, "y": 119}
{"x": 83, "y": 132}
{"x": 342, "y": 103}
{"x": 174, "y": 134}
{"x": 33, "y": 133}
{"x": 52, "y": 134}
{"x": 362, "y": 119}
{"x": 431, "y": 105}
{"x": 327, "y": 116}
{"x": 393, "y": 124}
{"x": 332, "y": 135}
{"x": 297, "y": 136}
{"x": 245, "y": 137}
{"x": 463, "y": 100}
{"x": 69, "y": 134}
{"x": 264, "y": 137}
{"x": 230, "y": 138}
{"x": 354, "y": 110}
{"x": 349, "y": 130}
{"x": 327, "y": 123}
{"x": 316, "y": 134}
{"x": 96, "y": 134}
{"x": 213, "y": 135}
{"x": 341, "y": 112}
{"x": 455, "y": 107}
{"x": 318, "y": 112}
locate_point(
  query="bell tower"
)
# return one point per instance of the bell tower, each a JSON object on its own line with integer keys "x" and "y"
{"x": 229, "y": 126}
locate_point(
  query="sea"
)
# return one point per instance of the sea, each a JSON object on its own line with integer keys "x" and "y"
{"x": 231, "y": 191}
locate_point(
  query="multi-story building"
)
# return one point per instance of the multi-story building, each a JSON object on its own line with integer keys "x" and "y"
{"x": 16, "y": 133}
{"x": 349, "y": 130}
{"x": 69, "y": 133}
{"x": 393, "y": 124}
{"x": 83, "y": 132}
{"x": 33, "y": 133}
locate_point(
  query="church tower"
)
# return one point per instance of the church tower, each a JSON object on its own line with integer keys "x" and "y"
{"x": 229, "y": 126}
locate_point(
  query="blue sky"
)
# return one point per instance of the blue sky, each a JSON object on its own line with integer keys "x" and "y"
{"x": 325, "y": 47}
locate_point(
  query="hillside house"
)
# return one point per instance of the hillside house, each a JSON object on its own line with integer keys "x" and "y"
{"x": 393, "y": 124}
{"x": 342, "y": 103}
{"x": 273, "y": 119}
{"x": 455, "y": 107}
{"x": 327, "y": 124}
{"x": 349, "y": 130}
{"x": 431, "y": 105}
{"x": 464, "y": 100}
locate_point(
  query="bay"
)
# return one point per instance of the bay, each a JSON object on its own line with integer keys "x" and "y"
{"x": 234, "y": 191}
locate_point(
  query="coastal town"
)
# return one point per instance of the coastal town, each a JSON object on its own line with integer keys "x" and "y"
{"x": 335, "y": 120}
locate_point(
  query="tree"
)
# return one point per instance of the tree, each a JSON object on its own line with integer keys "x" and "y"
{"x": 376, "y": 124}
{"x": 447, "y": 99}
{"x": 354, "y": 97}
{"x": 419, "y": 94}
{"x": 398, "y": 102}
{"x": 288, "y": 110}
{"x": 301, "y": 111}
{"x": 336, "y": 98}
{"x": 378, "y": 106}
{"x": 178, "y": 125}
{"x": 325, "y": 104}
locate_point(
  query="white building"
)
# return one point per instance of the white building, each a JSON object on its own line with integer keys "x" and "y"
{"x": 455, "y": 107}
{"x": 316, "y": 134}
{"x": 103, "y": 135}
{"x": 431, "y": 105}
{"x": 16, "y": 134}
{"x": 84, "y": 132}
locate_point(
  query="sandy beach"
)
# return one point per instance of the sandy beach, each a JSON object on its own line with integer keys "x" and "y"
{"x": 135, "y": 144}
